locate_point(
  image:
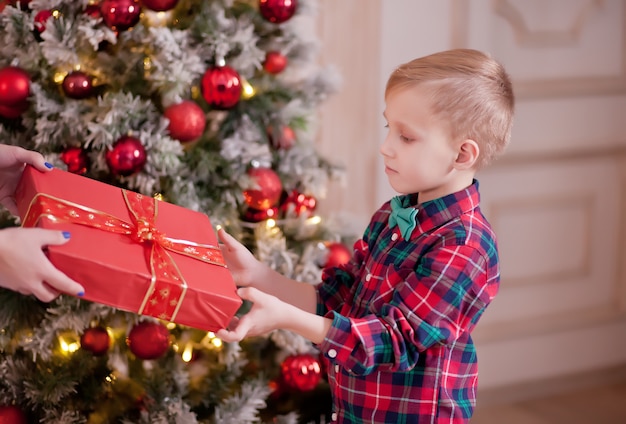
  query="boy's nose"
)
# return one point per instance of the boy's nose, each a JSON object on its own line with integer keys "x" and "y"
{"x": 385, "y": 148}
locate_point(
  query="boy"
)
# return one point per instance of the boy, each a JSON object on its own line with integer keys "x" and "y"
{"x": 395, "y": 322}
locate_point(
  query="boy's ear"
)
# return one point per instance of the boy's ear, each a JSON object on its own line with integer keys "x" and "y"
{"x": 467, "y": 155}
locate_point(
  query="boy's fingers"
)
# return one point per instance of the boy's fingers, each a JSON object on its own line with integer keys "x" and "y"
{"x": 226, "y": 238}
{"x": 227, "y": 336}
{"x": 249, "y": 293}
{"x": 238, "y": 333}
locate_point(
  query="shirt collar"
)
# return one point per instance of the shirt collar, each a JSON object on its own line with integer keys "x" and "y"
{"x": 436, "y": 212}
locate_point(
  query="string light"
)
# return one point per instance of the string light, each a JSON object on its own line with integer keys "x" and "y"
{"x": 59, "y": 77}
{"x": 69, "y": 343}
{"x": 314, "y": 220}
{"x": 247, "y": 90}
{"x": 210, "y": 341}
{"x": 188, "y": 353}
{"x": 196, "y": 93}
{"x": 157, "y": 19}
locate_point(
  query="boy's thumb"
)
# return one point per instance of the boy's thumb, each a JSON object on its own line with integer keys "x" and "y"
{"x": 247, "y": 293}
{"x": 224, "y": 237}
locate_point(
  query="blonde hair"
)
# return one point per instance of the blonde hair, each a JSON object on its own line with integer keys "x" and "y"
{"x": 470, "y": 90}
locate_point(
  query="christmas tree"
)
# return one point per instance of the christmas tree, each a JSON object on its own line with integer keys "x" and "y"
{"x": 210, "y": 105}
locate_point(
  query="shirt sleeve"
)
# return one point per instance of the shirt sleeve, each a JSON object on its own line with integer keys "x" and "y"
{"x": 430, "y": 305}
{"x": 337, "y": 282}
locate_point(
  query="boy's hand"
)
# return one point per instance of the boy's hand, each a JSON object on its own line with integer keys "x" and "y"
{"x": 239, "y": 260}
{"x": 267, "y": 314}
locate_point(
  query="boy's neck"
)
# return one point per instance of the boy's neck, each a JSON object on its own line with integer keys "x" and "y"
{"x": 461, "y": 182}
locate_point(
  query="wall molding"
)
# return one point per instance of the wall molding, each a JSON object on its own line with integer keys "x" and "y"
{"x": 550, "y": 323}
{"x": 581, "y": 201}
{"x": 462, "y": 30}
{"x": 525, "y": 36}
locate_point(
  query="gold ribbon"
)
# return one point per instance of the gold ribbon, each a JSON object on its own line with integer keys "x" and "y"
{"x": 168, "y": 287}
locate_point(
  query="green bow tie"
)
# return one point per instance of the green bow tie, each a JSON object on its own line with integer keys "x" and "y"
{"x": 403, "y": 217}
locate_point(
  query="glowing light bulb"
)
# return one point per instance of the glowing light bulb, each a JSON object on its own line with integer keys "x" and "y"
{"x": 247, "y": 90}
{"x": 188, "y": 353}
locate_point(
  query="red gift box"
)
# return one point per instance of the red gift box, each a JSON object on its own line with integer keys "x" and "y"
{"x": 130, "y": 251}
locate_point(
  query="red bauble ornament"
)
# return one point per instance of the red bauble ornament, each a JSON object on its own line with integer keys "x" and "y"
{"x": 187, "y": 121}
{"x": 269, "y": 189}
{"x": 274, "y": 62}
{"x": 14, "y": 86}
{"x": 93, "y": 11}
{"x": 160, "y": 5}
{"x": 78, "y": 85}
{"x": 221, "y": 87}
{"x": 96, "y": 340}
{"x": 277, "y": 11}
{"x": 120, "y": 15}
{"x": 299, "y": 203}
{"x": 23, "y": 4}
{"x": 301, "y": 372}
{"x": 338, "y": 254}
{"x": 255, "y": 215}
{"x": 285, "y": 140}
{"x": 76, "y": 160}
{"x": 13, "y": 111}
{"x": 127, "y": 156}
{"x": 40, "y": 20}
{"x": 148, "y": 340}
{"x": 323, "y": 365}
{"x": 10, "y": 414}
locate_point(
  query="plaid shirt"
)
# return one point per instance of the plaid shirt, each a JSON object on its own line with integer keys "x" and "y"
{"x": 399, "y": 348}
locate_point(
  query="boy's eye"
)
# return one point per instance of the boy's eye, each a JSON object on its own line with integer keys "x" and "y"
{"x": 404, "y": 138}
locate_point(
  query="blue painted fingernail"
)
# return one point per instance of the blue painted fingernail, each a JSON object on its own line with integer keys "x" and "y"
{"x": 81, "y": 294}
{"x": 49, "y": 165}
{"x": 66, "y": 234}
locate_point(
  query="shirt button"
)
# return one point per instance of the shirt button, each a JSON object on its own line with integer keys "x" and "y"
{"x": 368, "y": 277}
{"x": 332, "y": 353}
{"x": 336, "y": 368}
{"x": 394, "y": 237}
{"x": 333, "y": 416}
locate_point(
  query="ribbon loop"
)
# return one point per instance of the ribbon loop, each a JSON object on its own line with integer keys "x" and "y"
{"x": 145, "y": 232}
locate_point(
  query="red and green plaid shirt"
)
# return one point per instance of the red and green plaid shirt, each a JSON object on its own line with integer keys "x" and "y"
{"x": 399, "y": 349}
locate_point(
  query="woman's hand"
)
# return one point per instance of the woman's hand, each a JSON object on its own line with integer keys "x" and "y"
{"x": 25, "y": 268}
{"x": 12, "y": 161}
